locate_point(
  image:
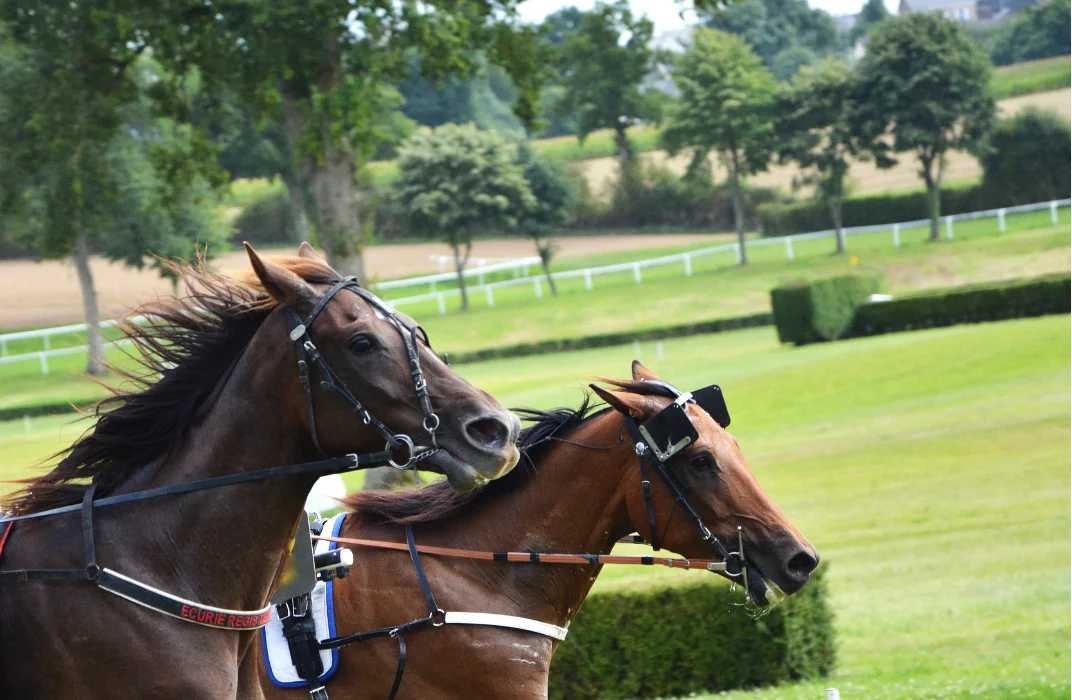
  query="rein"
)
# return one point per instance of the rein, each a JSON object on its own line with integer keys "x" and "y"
{"x": 206, "y": 615}
{"x": 537, "y": 557}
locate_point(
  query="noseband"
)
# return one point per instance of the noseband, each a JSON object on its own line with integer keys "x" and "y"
{"x": 662, "y": 436}
{"x": 308, "y": 354}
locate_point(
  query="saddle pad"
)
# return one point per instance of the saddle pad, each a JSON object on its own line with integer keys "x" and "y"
{"x": 276, "y": 651}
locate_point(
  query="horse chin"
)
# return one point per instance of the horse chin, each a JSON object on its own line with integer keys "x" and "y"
{"x": 462, "y": 477}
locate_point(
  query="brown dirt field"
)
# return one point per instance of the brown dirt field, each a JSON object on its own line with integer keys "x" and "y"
{"x": 865, "y": 178}
{"x": 46, "y": 293}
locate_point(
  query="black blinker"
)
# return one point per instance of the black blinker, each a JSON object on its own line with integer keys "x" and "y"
{"x": 710, "y": 399}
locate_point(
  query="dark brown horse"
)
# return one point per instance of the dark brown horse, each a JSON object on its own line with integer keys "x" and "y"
{"x": 579, "y": 491}
{"x": 220, "y": 395}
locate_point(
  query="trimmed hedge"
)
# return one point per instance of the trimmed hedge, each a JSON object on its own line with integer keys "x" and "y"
{"x": 812, "y": 312}
{"x": 1017, "y": 299}
{"x": 46, "y": 409}
{"x": 690, "y": 639}
{"x": 787, "y": 219}
{"x": 617, "y": 338}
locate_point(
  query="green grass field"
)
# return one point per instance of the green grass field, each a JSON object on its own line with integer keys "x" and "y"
{"x": 931, "y": 469}
{"x": 1033, "y": 76}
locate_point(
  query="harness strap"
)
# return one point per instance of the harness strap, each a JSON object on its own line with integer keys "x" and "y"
{"x": 334, "y": 465}
{"x": 400, "y": 669}
{"x": 434, "y": 611}
{"x": 299, "y": 629}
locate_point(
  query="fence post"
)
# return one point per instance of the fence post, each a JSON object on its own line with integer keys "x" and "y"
{"x": 636, "y": 349}
{"x": 1001, "y": 220}
{"x": 588, "y": 280}
{"x": 788, "y": 248}
{"x": 688, "y": 265}
{"x": 537, "y": 287}
{"x": 659, "y": 350}
{"x": 441, "y": 303}
{"x": 737, "y": 252}
{"x": 26, "y": 423}
{"x": 48, "y": 346}
{"x": 636, "y": 273}
{"x": 3, "y": 348}
{"x": 480, "y": 276}
{"x": 1053, "y": 212}
{"x": 896, "y": 235}
{"x": 949, "y": 228}
{"x": 490, "y": 296}
{"x": 44, "y": 362}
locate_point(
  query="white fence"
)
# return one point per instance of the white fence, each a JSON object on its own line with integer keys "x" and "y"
{"x": 686, "y": 259}
{"x": 519, "y": 266}
{"x": 588, "y": 274}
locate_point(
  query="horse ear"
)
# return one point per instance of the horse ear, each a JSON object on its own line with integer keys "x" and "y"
{"x": 625, "y": 402}
{"x": 305, "y": 250}
{"x": 284, "y": 286}
{"x": 640, "y": 372}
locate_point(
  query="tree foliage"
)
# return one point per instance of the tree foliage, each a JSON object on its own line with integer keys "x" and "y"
{"x": 457, "y": 182}
{"x": 785, "y": 34}
{"x": 1027, "y": 157}
{"x": 816, "y": 132}
{"x": 1035, "y": 32}
{"x": 923, "y": 88}
{"x": 873, "y": 12}
{"x": 726, "y": 106}
{"x": 606, "y": 59}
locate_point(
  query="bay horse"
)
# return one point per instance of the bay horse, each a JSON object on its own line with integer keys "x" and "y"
{"x": 580, "y": 492}
{"x": 235, "y": 378}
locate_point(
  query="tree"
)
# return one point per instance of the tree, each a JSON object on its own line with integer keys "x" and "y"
{"x": 815, "y": 131}
{"x": 326, "y": 62}
{"x": 457, "y": 182}
{"x": 1035, "y": 32}
{"x": 873, "y": 12}
{"x": 74, "y": 78}
{"x": 784, "y": 33}
{"x": 552, "y": 196}
{"x": 727, "y": 97}
{"x": 1026, "y": 158}
{"x": 922, "y": 88}
{"x": 606, "y": 60}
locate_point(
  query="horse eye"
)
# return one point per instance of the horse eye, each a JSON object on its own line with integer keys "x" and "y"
{"x": 702, "y": 461}
{"x": 362, "y": 344}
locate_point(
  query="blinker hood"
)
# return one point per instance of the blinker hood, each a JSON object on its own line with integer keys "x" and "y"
{"x": 669, "y": 431}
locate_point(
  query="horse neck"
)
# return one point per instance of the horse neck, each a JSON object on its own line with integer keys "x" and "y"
{"x": 230, "y": 542}
{"x": 573, "y": 501}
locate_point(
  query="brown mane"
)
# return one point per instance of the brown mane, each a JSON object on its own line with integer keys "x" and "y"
{"x": 183, "y": 348}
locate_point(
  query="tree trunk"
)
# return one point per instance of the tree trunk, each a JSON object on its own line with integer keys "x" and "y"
{"x": 934, "y": 194}
{"x": 738, "y": 214}
{"x": 546, "y": 263}
{"x": 625, "y": 152}
{"x": 835, "y": 216}
{"x": 336, "y": 200}
{"x": 459, "y": 266}
{"x": 299, "y": 213}
{"x": 95, "y": 365}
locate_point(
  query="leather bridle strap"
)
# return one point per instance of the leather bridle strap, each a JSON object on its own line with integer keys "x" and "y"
{"x": 323, "y": 467}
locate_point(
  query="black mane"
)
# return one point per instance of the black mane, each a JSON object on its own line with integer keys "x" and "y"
{"x": 438, "y": 501}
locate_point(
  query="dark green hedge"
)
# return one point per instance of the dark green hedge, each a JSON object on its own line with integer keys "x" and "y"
{"x": 786, "y": 219}
{"x": 690, "y": 639}
{"x": 812, "y": 312}
{"x": 618, "y": 338}
{"x": 49, "y": 409}
{"x": 1017, "y": 299}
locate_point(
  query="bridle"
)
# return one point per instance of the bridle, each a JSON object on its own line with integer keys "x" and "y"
{"x": 656, "y": 441}
{"x": 210, "y": 616}
{"x": 308, "y": 354}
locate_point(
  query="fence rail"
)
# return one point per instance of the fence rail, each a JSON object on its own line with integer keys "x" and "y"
{"x": 587, "y": 274}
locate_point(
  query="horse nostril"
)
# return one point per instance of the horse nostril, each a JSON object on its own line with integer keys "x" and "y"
{"x": 801, "y": 564}
{"x": 487, "y": 432}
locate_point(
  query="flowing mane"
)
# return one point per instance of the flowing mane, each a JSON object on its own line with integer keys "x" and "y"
{"x": 439, "y": 501}
{"x": 184, "y": 347}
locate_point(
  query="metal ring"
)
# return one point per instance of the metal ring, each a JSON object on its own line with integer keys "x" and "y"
{"x": 404, "y": 439}
{"x": 438, "y": 617}
{"x": 435, "y": 425}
